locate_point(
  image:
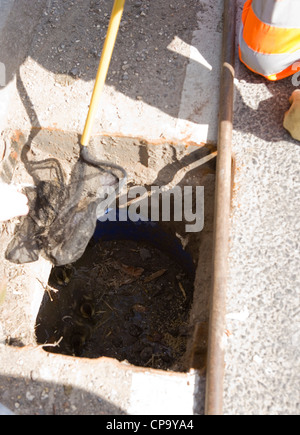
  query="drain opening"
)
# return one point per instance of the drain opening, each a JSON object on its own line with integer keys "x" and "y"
{"x": 148, "y": 165}
{"x": 128, "y": 297}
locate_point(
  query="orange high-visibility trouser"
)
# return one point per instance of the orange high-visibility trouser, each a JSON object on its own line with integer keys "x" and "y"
{"x": 269, "y": 42}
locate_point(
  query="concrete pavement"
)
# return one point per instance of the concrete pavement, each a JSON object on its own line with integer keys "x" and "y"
{"x": 262, "y": 353}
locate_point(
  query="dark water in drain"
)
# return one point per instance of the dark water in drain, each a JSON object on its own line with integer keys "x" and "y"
{"x": 122, "y": 299}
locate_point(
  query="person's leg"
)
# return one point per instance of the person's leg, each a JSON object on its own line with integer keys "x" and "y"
{"x": 269, "y": 42}
{"x": 269, "y": 45}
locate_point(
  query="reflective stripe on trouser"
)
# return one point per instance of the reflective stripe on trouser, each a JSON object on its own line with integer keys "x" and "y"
{"x": 271, "y": 66}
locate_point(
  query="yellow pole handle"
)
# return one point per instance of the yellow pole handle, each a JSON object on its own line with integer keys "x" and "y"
{"x": 107, "y": 51}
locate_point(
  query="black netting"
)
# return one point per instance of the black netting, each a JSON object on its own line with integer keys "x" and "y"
{"x": 63, "y": 214}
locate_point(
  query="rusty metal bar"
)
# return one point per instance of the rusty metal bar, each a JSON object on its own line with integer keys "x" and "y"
{"x": 215, "y": 357}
